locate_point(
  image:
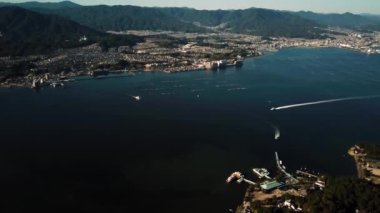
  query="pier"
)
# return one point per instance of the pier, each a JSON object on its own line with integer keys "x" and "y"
{"x": 247, "y": 181}
{"x": 239, "y": 178}
{"x": 261, "y": 173}
{"x": 282, "y": 169}
{"x": 307, "y": 174}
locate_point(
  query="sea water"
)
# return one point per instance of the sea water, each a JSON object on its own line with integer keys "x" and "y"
{"x": 92, "y": 145}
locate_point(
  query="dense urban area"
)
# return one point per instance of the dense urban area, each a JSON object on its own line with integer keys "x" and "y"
{"x": 166, "y": 51}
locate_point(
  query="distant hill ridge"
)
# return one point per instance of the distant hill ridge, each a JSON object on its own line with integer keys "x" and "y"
{"x": 120, "y": 18}
{"x": 251, "y": 21}
{"x": 343, "y": 20}
{"x": 24, "y": 32}
{"x": 258, "y": 21}
{"x": 45, "y": 5}
{"x": 264, "y": 22}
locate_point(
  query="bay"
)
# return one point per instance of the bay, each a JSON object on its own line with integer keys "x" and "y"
{"x": 91, "y": 146}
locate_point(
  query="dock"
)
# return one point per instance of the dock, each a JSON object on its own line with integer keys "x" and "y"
{"x": 239, "y": 178}
{"x": 261, "y": 173}
{"x": 307, "y": 174}
{"x": 282, "y": 168}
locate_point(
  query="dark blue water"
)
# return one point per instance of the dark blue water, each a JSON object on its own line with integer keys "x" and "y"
{"x": 91, "y": 146}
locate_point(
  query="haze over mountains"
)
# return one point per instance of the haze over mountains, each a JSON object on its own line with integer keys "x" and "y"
{"x": 341, "y": 20}
{"x": 47, "y": 5}
{"x": 95, "y": 20}
{"x": 188, "y": 15}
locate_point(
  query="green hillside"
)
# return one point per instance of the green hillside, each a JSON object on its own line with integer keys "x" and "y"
{"x": 25, "y": 32}
{"x": 120, "y": 18}
{"x": 252, "y": 21}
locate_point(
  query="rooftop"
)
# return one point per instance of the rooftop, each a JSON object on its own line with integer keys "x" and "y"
{"x": 269, "y": 185}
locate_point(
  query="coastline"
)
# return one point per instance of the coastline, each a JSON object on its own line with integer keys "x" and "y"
{"x": 149, "y": 56}
{"x": 367, "y": 165}
{"x": 27, "y": 81}
{"x": 43, "y": 80}
{"x": 356, "y": 157}
{"x": 367, "y": 162}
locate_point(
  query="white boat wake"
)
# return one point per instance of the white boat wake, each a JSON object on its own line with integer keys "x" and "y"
{"x": 325, "y": 101}
{"x": 277, "y": 132}
{"x": 236, "y": 89}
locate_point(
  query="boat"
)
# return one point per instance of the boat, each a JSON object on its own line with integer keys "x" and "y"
{"x": 137, "y": 98}
{"x": 56, "y": 84}
{"x": 277, "y": 135}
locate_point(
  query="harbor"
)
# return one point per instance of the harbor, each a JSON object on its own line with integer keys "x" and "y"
{"x": 213, "y": 52}
{"x": 283, "y": 183}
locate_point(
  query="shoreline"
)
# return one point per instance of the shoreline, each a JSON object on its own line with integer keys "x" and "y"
{"x": 71, "y": 76}
{"x": 358, "y": 166}
{"x": 367, "y": 163}
{"x": 28, "y": 81}
{"x": 368, "y": 168}
{"x": 48, "y": 79}
{"x": 199, "y": 52}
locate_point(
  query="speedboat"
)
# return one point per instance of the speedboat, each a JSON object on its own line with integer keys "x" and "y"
{"x": 137, "y": 98}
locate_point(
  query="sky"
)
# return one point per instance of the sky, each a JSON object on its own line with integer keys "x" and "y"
{"x": 324, "y": 6}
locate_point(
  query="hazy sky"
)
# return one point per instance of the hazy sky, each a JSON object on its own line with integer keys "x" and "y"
{"x": 326, "y": 6}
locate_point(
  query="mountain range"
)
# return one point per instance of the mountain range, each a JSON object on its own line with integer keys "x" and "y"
{"x": 45, "y": 5}
{"x": 249, "y": 21}
{"x": 24, "y": 32}
{"x": 347, "y": 20}
{"x": 134, "y": 17}
{"x": 53, "y": 24}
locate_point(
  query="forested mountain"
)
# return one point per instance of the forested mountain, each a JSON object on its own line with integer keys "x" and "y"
{"x": 208, "y": 18}
{"x": 372, "y": 17}
{"x": 256, "y": 21}
{"x": 253, "y": 21}
{"x": 271, "y": 23}
{"x": 47, "y": 5}
{"x": 341, "y": 20}
{"x": 119, "y": 18}
{"x": 24, "y": 32}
